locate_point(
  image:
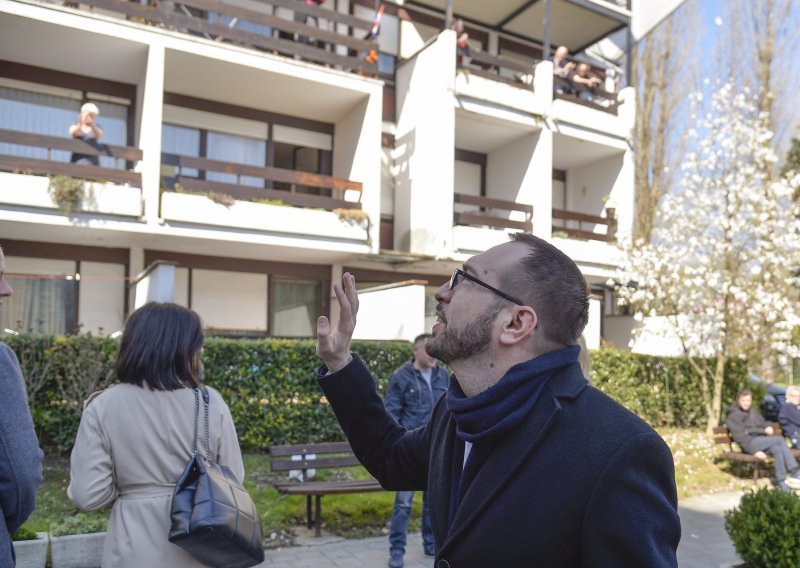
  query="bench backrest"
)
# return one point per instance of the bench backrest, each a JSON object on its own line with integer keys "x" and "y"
{"x": 723, "y": 436}
{"x": 328, "y": 454}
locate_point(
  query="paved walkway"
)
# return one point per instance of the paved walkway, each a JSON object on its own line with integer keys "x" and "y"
{"x": 704, "y": 543}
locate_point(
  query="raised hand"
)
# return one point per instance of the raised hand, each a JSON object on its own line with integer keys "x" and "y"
{"x": 333, "y": 345}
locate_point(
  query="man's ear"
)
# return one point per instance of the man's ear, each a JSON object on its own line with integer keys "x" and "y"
{"x": 520, "y": 326}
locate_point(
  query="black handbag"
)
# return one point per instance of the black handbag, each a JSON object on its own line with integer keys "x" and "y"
{"x": 213, "y": 516}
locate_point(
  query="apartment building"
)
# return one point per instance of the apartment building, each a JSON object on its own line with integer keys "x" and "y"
{"x": 253, "y": 151}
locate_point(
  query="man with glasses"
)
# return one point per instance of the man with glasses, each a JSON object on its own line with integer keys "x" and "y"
{"x": 525, "y": 463}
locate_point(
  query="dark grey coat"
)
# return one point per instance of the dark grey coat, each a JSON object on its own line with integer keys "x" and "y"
{"x": 582, "y": 482}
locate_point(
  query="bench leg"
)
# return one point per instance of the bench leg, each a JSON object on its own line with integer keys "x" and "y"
{"x": 319, "y": 522}
{"x": 309, "y": 520}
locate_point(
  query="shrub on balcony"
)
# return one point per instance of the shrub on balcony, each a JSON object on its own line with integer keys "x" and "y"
{"x": 66, "y": 193}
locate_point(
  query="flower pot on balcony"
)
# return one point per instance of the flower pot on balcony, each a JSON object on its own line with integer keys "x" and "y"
{"x": 77, "y": 550}
{"x": 32, "y": 553}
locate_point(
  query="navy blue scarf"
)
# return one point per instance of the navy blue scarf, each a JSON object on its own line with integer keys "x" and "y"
{"x": 490, "y": 415}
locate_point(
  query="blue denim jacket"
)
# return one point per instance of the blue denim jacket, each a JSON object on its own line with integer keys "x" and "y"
{"x": 408, "y": 398}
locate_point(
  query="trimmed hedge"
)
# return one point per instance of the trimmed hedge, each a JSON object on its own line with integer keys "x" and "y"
{"x": 270, "y": 387}
{"x": 664, "y": 391}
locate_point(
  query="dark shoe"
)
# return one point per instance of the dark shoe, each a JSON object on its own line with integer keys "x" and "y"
{"x": 429, "y": 550}
{"x": 395, "y": 559}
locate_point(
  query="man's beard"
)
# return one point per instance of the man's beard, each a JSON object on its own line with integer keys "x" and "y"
{"x": 472, "y": 339}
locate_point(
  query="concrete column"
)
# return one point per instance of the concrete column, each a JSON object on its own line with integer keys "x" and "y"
{"x": 150, "y": 132}
{"x": 425, "y": 149}
{"x": 543, "y": 85}
{"x": 541, "y": 169}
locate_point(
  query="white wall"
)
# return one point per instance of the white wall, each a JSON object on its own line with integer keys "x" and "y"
{"x": 391, "y": 313}
{"x": 230, "y": 300}
{"x": 425, "y": 149}
{"x": 511, "y": 174}
{"x": 101, "y": 297}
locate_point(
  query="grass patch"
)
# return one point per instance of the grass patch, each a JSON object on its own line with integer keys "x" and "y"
{"x": 699, "y": 470}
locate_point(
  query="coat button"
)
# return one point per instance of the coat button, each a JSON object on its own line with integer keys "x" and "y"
{"x": 443, "y": 564}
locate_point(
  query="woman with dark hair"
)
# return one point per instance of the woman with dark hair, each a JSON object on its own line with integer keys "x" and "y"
{"x": 135, "y": 438}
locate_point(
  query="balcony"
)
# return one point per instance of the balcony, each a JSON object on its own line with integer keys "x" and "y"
{"x": 28, "y": 166}
{"x": 280, "y": 27}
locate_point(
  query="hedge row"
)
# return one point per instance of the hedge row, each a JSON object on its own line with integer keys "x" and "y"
{"x": 269, "y": 384}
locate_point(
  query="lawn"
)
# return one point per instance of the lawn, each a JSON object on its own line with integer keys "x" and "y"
{"x": 698, "y": 470}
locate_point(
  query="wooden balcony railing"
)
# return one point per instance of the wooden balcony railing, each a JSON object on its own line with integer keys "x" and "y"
{"x": 281, "y": 35}
{"x": 574, "y": 225}
{"x": 498, "y": 68}
{"x": 486, "y": 215}
{"x": 123, "y": 156}
{"x": 303, "y": 189}
{"x": 569, "y": 222}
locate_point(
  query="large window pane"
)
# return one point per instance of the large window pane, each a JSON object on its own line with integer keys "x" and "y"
{"x": 239, "y": 150}
{"x": 296, "y": 304}
{"x": 230, "y": 301}
{"x": 180, "y": 141}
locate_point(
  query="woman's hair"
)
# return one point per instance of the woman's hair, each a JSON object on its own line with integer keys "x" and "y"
{"x": 161, "y": 347}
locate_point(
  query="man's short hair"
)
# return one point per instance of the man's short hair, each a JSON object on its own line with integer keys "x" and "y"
{"x": 421, "y": 337}
{"x": 91, "y": 108}
{"x": 552, "y": 284}
{"x": 744, "y": 392}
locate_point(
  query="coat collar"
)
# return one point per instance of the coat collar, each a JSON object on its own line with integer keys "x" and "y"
{"x": 505, "y": 461}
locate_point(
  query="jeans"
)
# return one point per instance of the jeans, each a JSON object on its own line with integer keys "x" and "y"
{"x": 401, "y": 512}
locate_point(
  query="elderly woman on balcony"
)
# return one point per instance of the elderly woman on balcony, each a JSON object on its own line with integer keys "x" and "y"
{"x": 86, "y": 129}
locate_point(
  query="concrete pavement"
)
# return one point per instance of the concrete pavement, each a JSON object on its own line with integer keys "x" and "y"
{"x": 704, "y": 543}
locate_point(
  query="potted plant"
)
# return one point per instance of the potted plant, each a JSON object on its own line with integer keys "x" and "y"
{"x": 30, "y": 547}
{"x": 77, "y": 541}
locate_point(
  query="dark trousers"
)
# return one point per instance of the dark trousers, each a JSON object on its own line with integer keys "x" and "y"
{"x": 780, "y": 452}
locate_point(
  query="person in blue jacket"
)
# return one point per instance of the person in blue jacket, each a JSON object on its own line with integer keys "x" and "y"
{"x": 20, "y": 456}
{"x": 413, "y": 390}
{"x": 525, "y": 463}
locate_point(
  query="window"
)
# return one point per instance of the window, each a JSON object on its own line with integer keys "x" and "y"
{"x": 296, "y": 304}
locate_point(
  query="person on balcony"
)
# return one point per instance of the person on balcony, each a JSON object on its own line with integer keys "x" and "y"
{"x": 562, "y": 71}
{"x": 756, "y": 436}
{"x": 87, "y": 130}
{"x": 462, "y": 41}
{"x": 585, "y": 83}
{"x": 21, "y": 465}
{"x": 412, "y": 392}
{"x": 789, "y": 416}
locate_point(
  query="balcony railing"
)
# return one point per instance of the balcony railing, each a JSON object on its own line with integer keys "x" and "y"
{"x": 495, "y": 213}
{"x": 575, "y": 225}
{"x": 280, "y": 35}
{"x": 498, "y": 68}
{"x": 303, "y": 189}
{"x": 123, "y": 156}
{"x": 486, "y": 214}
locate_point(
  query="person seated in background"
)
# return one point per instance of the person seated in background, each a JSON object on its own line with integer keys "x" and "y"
{"x": 789, "y": 416}
{"x": 755, "y": 436}
{"x": 562, "y": 71}
{"x": 585, "y": 83}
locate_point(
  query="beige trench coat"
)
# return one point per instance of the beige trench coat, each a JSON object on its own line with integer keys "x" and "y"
{"x": 131, "y": 448}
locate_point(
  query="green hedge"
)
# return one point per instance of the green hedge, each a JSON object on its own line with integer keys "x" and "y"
{"x": 269, "y": 384}
{"x": 664, "y": 391}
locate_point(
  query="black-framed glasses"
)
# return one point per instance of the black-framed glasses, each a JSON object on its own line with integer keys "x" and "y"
{"x": 454, "y": 283}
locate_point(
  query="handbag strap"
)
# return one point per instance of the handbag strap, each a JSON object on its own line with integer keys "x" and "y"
{"x": 197, "y": 419}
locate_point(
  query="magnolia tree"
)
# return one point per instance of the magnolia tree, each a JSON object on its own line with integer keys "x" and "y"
{"x": 720, "y": 266}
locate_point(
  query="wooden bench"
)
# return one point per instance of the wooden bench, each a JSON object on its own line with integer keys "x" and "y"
{"x": 734, "y": 453}
{"x": 328, "y": 456}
